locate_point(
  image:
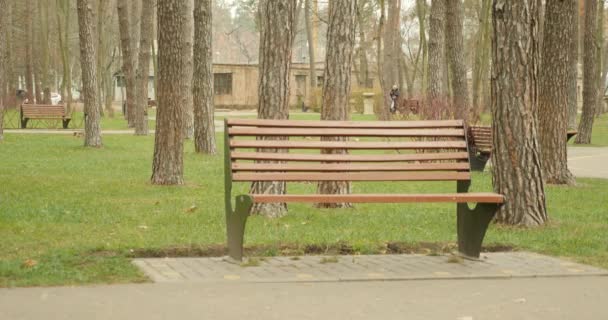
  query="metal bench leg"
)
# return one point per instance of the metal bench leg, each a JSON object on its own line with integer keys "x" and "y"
{"x": 472, "y": 225}
{"x": 24, "y": 123}
{"x": 478, "y": 161}
{"x": 66, "y": 122}
{"x": 235, "y": 226}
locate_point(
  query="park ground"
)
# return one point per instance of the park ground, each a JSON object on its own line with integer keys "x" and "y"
{"x": 70, "y": 215}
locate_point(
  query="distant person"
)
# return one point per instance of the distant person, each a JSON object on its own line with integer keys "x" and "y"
{"x": 394, "y": 94}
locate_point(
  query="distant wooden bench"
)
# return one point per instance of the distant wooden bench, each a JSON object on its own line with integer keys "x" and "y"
{"x": 448, "y": 160}
{"x": 43, "y": 112}
{"x": 480, "y": 145}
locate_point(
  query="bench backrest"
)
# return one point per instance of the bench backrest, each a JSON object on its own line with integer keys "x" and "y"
{"x": 363, "y": 151}
{"x": 481, "y": 137}
{"x": 42, "y": 110}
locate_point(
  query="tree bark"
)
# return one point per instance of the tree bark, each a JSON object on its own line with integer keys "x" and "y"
{"x": 92, "y": 129}
{"x": 421, "y": 9}
{"x": 202, "y": 79}
{"x": 590, "y": 74}
{"x": 573, "y": 54}
{"x": 456, "y": 58}
{"x": 63, "y": 28}
{"x": 336, "y": 87}
{"x": 168, "y": 163}
{"x": 187, "y": 98}
{"x": 311, "y": 51}
{"x": 392, "y": 48}
{"x": 436, "y": 90}
{"x": 516, "y": 157}
{"x": 602, "y": 53}
{"x": 553, "y": 91}
{"x": 143, "y": 69}
{"x": 383, "y": 113}
{"x": 126, "y": 46}
{"x": 29, "y": 59}
{"x": 277, "y": 31}
{"x": 480, "y": 64}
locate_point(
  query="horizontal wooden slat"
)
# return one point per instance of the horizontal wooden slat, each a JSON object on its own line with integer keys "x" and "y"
{"x": 352, "y": 176}
{"x": 287, "y": 144}
{"x": 383, "y": 198}
{"x": 316, "y": 167}
{"x": 347, "y": 132}
{"x": 345, "y": 124}
{"x": 350, "y": 157}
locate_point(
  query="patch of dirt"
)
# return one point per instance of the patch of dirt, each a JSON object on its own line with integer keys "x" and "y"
{"x": 335, "y": 249}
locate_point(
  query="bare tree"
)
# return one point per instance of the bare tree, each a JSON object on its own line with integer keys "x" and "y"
{"x": 553, "y": 90}
{"x": 168, "y": 163}
{"x": 573, "y": 55}
{"x": 311, "y": 49}
{"x": 63, "y": 34}
{"x": 590, "y": 74}
{"x": 143, "y": 70}
{"x": 336, "y": 87}
{"x": 92, "y": 129}
{"x": 516, "y": 156}
{"x": 277, "y": 23}
{"x": 126, "y": 46}
{"x": 202, "y": 79}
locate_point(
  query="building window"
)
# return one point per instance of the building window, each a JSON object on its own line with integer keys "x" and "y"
{"x": 320, "y": 80}
{"x": 120, "y": 82}
{"x": 222, "y": 83}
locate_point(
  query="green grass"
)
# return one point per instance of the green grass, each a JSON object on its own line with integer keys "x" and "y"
{"x": 117, "y": 122}
{"x": 599, "y": 135}
{"x": 70, "y": 215}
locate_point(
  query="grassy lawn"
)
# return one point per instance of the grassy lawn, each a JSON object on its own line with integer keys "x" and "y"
{"x": 70, "y": 215}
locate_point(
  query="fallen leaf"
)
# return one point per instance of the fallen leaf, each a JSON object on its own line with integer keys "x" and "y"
{"x": 29, "y": 263}
{"x": 143, "y": 227}
{"x": 191, "y": 209}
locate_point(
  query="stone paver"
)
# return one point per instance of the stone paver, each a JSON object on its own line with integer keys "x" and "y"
{"x": 361, "y": 268}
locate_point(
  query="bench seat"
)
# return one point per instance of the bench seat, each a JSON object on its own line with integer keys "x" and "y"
{"x": 43, "y": 112}
{"x": 480, "y": 197}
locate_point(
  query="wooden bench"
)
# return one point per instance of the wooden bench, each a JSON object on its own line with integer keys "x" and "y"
{"x": 480, "y": 145}
{"x": 371, "y": 158}
{"x": 43, "y": 112}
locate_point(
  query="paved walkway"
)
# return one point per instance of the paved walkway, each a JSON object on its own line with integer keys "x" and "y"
{"x": 501, "y": 265}
{"x": 588, "y": 162}
{"x": 527, "y": 299}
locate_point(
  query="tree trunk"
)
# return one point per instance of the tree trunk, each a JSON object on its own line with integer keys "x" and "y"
{"x": 480, "y": 62}
{"x": 383, "y": 113}
{"x": 126, "y": 46}
{"x": 456, "y": 58}
{"x": 187, "y": 98}
{"x": 553, "y": 91}
{"x": 4, "y": 32}
{"x": 202, "y": 79}
{"x": 573, "y": 54}
{"x": 311, "y": 52}
{"x": 143, "y": 70}
{"x": 63, "y": 26}
{"x": 421, "y": 8}
{"x": 104, "y": 18}
{"x": 590, "y": 73}
{"x": 392, "y": 47}
{"x": 277, "y": 31}
{"x": 92, "y": 129}
{"x": 29, "y": 59}
{"x": 436, "y": 90}
{"x": 516, "y": 157}
{"x": 168, "y": 163}
{"x": 363, "y": 47}
{"x": 336, "y": 87}
{"x": 601, "y": 54}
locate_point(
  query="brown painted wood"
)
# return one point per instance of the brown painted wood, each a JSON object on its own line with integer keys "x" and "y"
{"x": 351, "y": 176}
{"x": 350, "y": 157}
{"x": 316, "y": 167}
{"x": 254, "y": 131}
{"x": 382, "y": 198}
{"x": 287, "y": 144}
{"x": 345, "y": 124}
